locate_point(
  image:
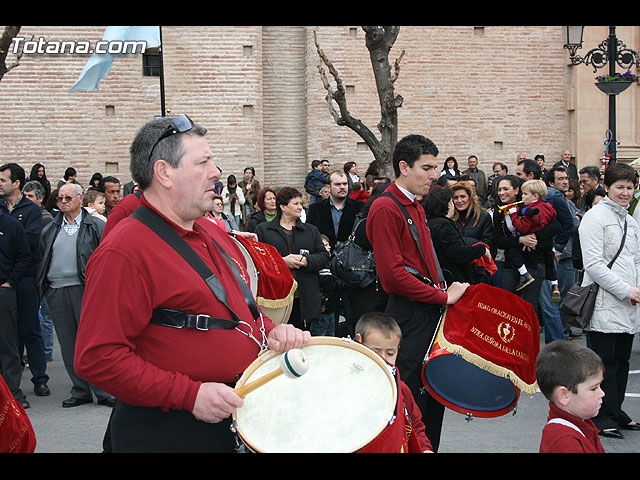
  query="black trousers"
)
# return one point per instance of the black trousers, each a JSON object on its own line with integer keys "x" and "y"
{"x": 419, "y": 323}
{"x": 134, "y": 429}
{"x": 615, "y": 351}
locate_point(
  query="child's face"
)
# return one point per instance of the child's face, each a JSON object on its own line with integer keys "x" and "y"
{"x": 327, "y": 246}
{"x": 528, "y": 197}
{"x": 386, "y": 347}
{"x": 586, "y": 402}
{"x": 98, "y": 205}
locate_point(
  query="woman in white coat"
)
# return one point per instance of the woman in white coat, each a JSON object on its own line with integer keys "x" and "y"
{"x": 616, "y": 317}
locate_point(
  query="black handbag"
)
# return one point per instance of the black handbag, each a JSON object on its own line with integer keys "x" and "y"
{"x": 578, "y": 304}
{"x": 351, "y": 264}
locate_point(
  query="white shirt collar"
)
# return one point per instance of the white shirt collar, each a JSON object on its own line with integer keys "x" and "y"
{"x": 406, "y": 192}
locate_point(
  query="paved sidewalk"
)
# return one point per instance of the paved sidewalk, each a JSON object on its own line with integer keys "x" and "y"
{"x": 81, "y": 429}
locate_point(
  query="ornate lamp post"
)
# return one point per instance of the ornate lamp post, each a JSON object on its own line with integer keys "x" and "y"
{"x": 609, "y": 52}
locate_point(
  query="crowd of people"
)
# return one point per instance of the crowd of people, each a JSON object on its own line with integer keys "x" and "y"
{"x": 64, "y": 246}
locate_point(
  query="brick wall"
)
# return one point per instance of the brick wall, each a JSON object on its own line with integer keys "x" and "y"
{"x": 492, "y": 91}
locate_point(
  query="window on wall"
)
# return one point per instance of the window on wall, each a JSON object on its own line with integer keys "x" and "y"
{"x": 151, "y": 63}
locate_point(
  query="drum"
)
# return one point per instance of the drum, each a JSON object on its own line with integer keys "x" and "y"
{"x": 465, "y": 388}
{"x": 483, "y": 353}
{"x": 347, "y": 401}
{"x": 270, "y": 280}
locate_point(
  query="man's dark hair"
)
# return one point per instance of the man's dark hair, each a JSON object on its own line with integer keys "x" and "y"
{"x": 16, "y": 172}
{"x": 551, "y": 174}
{"x": 410, "y": 148}
{"x": 315, "y": 163}
{"x": 592, "y": 171}
{"x": 104, "y": 180}
{"x": 531, "y": 166}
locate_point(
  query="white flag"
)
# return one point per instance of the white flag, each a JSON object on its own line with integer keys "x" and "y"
{"x": 99, "y": 64}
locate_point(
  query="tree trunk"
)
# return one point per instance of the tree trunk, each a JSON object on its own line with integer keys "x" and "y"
{"x": 379, "y": 41}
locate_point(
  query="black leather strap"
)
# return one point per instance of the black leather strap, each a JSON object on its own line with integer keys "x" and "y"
{"x": 168, "y": 317}
{"x": 169, "y": 235}
{"x": 416, "y": 237}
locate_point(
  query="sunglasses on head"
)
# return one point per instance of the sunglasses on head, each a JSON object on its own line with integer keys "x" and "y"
{"x": 179, "y": 124}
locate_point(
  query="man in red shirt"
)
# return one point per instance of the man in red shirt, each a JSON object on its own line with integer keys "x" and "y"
{"x": 414, "y": 304}
{"x": 174, "y": 385}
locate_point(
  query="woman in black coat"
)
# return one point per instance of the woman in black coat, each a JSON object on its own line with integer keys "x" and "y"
{"x": 454, "y": 255}
{"x": 475, "y": 223}
{"x": 302, "y": 250}
{"x": 503, "y": 238}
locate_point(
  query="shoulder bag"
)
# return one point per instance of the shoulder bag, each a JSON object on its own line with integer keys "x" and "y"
{"x": 351, "y": 264}
{"x": 579, "y": 302}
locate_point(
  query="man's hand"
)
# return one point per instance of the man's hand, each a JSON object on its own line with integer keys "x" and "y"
{"x": 249, "y": 235}
{"x": 285, "y": 337}
{"x": 455, "y": 292}
{"x": 295, "y": 260}
{"x": 215, "y": 402}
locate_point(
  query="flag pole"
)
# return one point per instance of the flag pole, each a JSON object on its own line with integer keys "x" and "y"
{"x": 162, "y": 102}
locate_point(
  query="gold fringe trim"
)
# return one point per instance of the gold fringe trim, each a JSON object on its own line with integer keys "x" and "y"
{"x": 480, "y": 362}
{"x": 279, "y": 302}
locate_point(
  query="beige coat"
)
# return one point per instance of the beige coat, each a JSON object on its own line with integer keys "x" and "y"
{"x": 600, "y": 236}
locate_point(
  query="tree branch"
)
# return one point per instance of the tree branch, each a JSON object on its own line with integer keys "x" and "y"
{"x": 5, "y": 42}
{"x": 337, "y": 95}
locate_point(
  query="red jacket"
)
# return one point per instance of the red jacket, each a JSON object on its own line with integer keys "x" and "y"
{"x": 360, "y": 195}
{"x": 394, "y": 247}
{"x": 132, "y": 272}
{"x": 559, "y": 438}
{"x": 415, "y": 417}
{"x": 525, "y": 224}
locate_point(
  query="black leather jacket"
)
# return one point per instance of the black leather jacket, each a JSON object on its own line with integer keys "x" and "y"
{"x": 87, "y": 241}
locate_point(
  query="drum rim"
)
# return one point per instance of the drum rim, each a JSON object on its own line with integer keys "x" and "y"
{"x": 320, "y": 340}
{"x": 250, "y": 264}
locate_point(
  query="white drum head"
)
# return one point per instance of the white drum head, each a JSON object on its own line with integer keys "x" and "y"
{"x": 344, "y": 401}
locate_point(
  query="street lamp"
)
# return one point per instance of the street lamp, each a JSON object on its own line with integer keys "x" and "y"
{"x": 608, "y": 52}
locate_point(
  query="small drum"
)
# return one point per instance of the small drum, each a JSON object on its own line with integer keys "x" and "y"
{"x": 466, "y": 388}
{"x": 483, "y": 353}
{"x": 346, "y": 402}
{"x": 270, "y": 280}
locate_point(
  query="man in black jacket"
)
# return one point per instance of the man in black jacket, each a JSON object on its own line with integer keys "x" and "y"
{"x": 335, "y": 217}
{"x": 15, "y": 258}
{"x": 67, "y": 244}
{"x": 15, "y": 204}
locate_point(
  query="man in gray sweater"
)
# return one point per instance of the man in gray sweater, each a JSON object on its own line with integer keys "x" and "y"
{"x": 66, "y": 244}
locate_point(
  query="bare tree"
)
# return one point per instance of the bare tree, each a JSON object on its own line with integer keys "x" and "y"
{"x": 379, "y": 41}
{"x": 5, "y": 42}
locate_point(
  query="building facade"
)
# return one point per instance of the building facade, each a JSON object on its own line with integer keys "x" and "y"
{"x": 492, "y": 91}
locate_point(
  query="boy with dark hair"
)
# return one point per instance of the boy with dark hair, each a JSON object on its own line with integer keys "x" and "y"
{"x": 569, "y": 376}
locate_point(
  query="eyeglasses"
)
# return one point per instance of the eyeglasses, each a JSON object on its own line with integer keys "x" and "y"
{"x": 180, "y": 124}
{"x": 66, "y": 198}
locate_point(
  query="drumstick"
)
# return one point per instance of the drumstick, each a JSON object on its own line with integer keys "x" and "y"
{"x": 292, "y": 363}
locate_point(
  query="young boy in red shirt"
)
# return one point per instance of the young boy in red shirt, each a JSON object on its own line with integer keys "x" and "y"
{"x": 569, "y": 376}
{"x": 535, "y": 215}
{"x": 381, "y": 333}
